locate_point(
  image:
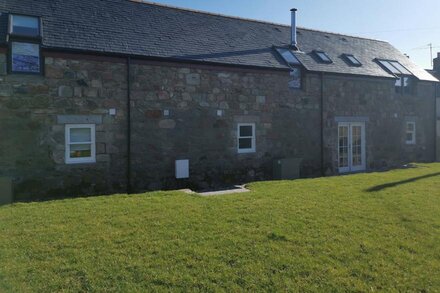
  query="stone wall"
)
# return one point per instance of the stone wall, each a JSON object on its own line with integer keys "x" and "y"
{"x": 191, "y": 112}
{"x": 287, "y": 125}
{"x": 386, "y": 113}
{"x": 33, "y": 141}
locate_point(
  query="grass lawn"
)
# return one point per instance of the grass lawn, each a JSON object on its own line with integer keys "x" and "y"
{"x": 366, "y": 232}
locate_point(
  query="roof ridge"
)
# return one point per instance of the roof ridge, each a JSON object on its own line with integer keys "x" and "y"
{"x": 342, "y": 35}
{"x": 248, "y": 19}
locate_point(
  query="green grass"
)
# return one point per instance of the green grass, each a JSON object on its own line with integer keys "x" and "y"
{"x": 366, "y": 232}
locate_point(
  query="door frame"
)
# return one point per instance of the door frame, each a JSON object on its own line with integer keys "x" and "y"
{"x": 350, "y": 167}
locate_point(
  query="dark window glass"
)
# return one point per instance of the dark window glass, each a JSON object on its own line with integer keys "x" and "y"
{"x": 352, "y": 60}
{"x": 246, "y": 131}
{"x": 323, "y": 57}
{"x": 25, "y": 57}
{"x": 288, "y": 56}
{"x": 398, "y": 85}
{"x": 245, "y": 143}
{"x": 407, "y": 85}
{"x": 404, "y": 85}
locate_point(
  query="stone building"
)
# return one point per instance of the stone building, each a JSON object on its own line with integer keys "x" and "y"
{"x": 436, "y": 72}
{"x": 112, "y": 96}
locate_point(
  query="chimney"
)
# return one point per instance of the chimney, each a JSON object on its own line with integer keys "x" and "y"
{"x": 294, "y": 42}
{"x": 437, "y": 63}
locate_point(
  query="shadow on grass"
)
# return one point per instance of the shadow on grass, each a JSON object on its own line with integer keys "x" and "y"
{"x": 397, "y": 183}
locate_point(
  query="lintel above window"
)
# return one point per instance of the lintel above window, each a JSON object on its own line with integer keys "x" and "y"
{"x": 323, "y": 57}
{"x": 24, "y": 26}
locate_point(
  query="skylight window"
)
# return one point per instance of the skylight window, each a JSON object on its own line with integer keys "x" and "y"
{"x": 400, "y": 67}
{"x": 394, "y": 67}
{"x": 24, "y": 44}
{"x": 288, "y": 56}
{"x": 323, "y": 57}
{"x": 295, "y": 81}
{"x": 26, "y": 26}
{"x": 352, "y": 60}
{"x": 404, "y": 81}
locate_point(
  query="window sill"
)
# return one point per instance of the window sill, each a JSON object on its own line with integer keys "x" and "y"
{"x": 21, "y": 73}
{"x": 79, "y": 162}
{"x": 241, "y": 152}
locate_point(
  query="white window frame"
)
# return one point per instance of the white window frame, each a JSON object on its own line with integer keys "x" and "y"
{"x": 252, "y": 149}
{"x": 92, "y": 158}
{"x": 413, "y": 132}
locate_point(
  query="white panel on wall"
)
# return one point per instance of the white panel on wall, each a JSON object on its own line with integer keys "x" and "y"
{"x": 182, "y": 169}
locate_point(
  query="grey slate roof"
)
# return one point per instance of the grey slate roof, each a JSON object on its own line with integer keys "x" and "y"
{"x": 145, "y": 29}
{"x": 434, "y": 73}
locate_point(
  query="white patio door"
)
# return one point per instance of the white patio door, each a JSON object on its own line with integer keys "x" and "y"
{"x": 351, "y": 146}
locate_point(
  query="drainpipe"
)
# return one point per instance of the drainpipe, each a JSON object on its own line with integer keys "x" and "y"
{"x": 436, "y": 95}
{"x": 128, "y": 126}
{"x": 322, "y": 124}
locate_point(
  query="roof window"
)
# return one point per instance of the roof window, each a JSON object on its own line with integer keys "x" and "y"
{"x": 25, "y": 26}
{"x": 288, "y": 56}
{"x": 24, "y": 44}
{"x": 394, "y": 67}
{"x": 323, "y": 57}
{"x": 352, "y": 60}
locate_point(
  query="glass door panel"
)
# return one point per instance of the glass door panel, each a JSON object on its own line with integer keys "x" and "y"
{"x": 343, "y": 147}
{"x": 351, "y": 147}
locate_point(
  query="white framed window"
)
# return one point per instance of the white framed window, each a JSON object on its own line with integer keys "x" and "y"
{"x": 410, "y": 135}
{"x": 246, "y": 138}
{"x": 80, "y": 143}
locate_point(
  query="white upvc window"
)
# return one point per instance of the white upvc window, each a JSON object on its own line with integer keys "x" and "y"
{"x": 246, "y": 138}
{"x": 80, "y": 143}
{"x": 410, "y": 137}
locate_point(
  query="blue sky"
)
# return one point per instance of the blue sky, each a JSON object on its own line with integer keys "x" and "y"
{"x": 407, "y": 24}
